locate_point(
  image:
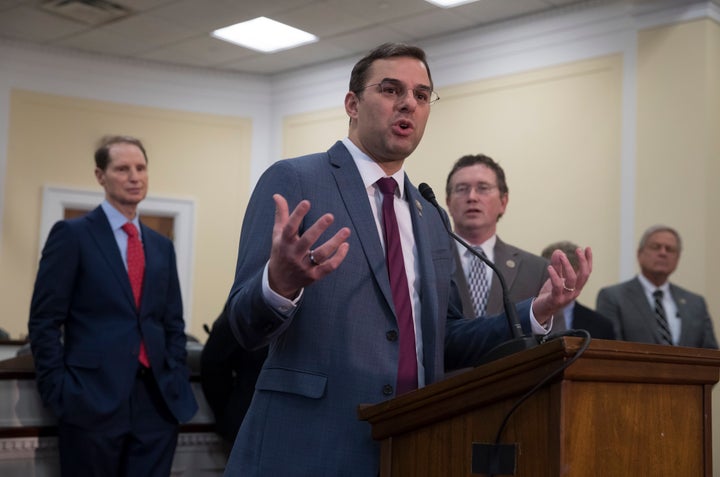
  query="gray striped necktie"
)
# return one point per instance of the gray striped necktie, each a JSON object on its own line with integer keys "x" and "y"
{"x": 661, "y": 318}
{"x": 478, "y": 283}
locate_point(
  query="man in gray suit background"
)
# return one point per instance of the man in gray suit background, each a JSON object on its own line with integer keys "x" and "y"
{"x": 315, "y": 281}
{"x": 477, "y": 195}
{"x": 650, "y": 309}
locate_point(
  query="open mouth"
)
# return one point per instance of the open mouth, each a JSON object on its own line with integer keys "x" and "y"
{"x": 403, "y": 126}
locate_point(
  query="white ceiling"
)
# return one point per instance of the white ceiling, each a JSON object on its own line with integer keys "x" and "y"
{"x": 178, "y": 31}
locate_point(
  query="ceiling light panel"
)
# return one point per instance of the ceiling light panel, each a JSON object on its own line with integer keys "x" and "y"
{"x": 264, "y": 34}
{"x": 449, "y": 3}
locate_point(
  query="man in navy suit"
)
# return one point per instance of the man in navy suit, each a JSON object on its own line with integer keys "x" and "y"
{"x": 312, "y": 282}
{"x": 576, "y": 315}
{"x": 631, "y": 305}
{"x": 110, "y": 356}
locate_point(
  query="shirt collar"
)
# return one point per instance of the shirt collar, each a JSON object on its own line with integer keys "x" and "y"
{"x": 370, "y": 171}
{"x": 488, "y": 247}
{"x": 117, "y": 219}
{"x": 650, "y": 287}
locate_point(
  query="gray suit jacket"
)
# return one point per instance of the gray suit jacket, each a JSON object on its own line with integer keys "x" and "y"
{"x": 627, "y": 307}
{"x": 524, "y": 275}
{"x": 339, "y": 349}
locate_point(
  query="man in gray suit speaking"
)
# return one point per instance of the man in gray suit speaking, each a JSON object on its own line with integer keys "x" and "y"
{"x": 344, "y": 270}
{"x": 650, "y": 309}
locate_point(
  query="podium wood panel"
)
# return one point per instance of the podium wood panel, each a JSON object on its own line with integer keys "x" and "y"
{"x": 621, "y": 409}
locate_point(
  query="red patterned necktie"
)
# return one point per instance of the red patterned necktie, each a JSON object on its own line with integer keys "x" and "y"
{"x": 407, "y": 366}
{"x": 136, "y": 273}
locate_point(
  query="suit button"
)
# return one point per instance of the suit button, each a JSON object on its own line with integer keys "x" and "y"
{"x": 391, "y": 335}
{"x": 388, "y": 390}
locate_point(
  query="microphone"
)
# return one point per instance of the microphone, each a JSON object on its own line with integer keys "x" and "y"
{"x": 519, "y": 341}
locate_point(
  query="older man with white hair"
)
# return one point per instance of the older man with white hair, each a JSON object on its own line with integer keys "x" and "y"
{"x": 650, "y": 309}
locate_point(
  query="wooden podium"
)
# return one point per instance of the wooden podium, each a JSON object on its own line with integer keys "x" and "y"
{"x": 621, "y": 409}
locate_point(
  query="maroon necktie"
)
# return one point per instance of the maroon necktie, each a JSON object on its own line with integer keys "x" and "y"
{"x": 407, "y": 367}
{"x": 136, "y": 272}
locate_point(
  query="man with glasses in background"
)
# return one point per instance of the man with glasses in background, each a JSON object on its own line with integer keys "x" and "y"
{"x": 348, "y": 280}
{"x": 476, "y": 197}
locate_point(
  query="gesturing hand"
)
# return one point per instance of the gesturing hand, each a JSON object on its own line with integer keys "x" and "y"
{"x": 293, "y": 265}
{"x": 564, "y": 284}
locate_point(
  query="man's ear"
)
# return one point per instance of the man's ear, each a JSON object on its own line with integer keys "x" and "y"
{"x": 100, "y": 176}
{"x": 351, "y": 104}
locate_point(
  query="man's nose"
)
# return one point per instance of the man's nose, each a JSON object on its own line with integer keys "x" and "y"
{"x": 407, "y": 102}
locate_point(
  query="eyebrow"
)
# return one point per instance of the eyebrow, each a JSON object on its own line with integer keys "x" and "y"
{"x": 394, "y": 80}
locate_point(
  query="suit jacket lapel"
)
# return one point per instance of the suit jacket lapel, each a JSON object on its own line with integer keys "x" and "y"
{"x": 502, "y": 256}
{"x": 152, "y": 264}
{"x": 354, "y": 196}
{"x": 462, "y": 285}
{"x": 636, "y": 297}
{"x": 682, "y": 310}
{"x": 102, "y": 234}
{"x": 426, "y": 271}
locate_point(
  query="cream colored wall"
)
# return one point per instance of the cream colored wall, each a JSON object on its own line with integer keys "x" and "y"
{"x": 194, "y": 156}
{"x": 678, "y": 154}
{"x": 556, "y": 133}
{"x": 313, "y": 132}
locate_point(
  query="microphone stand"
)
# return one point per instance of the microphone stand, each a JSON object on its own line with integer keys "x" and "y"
{"x": 519, "y": 341}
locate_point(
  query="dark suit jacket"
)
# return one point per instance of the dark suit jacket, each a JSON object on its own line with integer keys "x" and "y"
{"x": 228, "y": 373}
{"x": 85, "y": 328}
{"x": 524, "y": 275}
{"x": 339, "y": 349}
{"x": 627, "y": 307}
{"x": 593, "y": 322}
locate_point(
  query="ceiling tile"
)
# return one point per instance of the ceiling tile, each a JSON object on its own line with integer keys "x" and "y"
{"x": 199, "y": 51}
{"x": 290, "y": 59}
{"x": 153, "y": 30}
{"x": 489, "y": 11}
{"x": 366, "y": 39}
{"x": 431, "y": 24}
{"x": 142, "y": 5}
{"x": 320, "y": 20}
{"x": 30, "y": 24}
{"x": 105, "y": 42}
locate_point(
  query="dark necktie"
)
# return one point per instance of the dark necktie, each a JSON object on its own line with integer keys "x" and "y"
{"x": 136, "y": 273}
{"x": 407, "y": 366}
{"x": 661, "y": 319}
{"x": 478, "y": 283}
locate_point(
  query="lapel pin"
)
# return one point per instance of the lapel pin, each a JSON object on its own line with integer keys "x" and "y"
{"x": 418, "y": 206}
{"x": 510, "y": 263}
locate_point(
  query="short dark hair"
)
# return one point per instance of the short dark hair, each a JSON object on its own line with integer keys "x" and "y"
{"x": 102, "y": 153}
{"x": 471, "y": 160}
{"x": 359, "y": 74}
{"x": 659, "y": 228}
{"x": 567, "y": 247}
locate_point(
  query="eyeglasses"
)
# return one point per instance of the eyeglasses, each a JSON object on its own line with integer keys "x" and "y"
{"x": 396, "y": 91}
{"x": 656, "y": 247}
{"x": 482, "y": 188}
